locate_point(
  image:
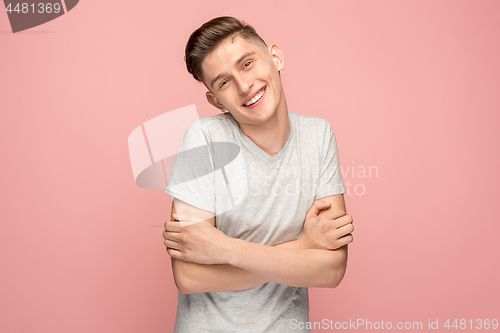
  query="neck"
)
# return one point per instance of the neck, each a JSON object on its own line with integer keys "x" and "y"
{"x": 271, "y": 136}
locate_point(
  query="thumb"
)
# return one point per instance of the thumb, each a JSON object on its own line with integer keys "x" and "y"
{"x": 182, "y": 217}
{"x": 188, "y": 218}
{"x": 316, "y": 207}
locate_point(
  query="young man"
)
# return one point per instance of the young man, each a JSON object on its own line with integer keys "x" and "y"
{"x": 272, "y": 212}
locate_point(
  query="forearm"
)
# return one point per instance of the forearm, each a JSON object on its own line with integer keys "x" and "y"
{"x": 290, "y": 266}
{"x": 197, "y": 278}
{"x": 242, "y": 265}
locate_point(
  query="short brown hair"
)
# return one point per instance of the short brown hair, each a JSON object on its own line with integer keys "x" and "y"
{"x": 206, "y": 38}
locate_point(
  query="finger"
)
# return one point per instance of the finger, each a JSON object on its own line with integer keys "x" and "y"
{"x": 173, "y": 253}
{"x": 345, "y": 240}
{"x": 335, "y": 214}
{"x": 173, "y": 226}
{"x": 171, "y": 244}
{"x": 187, "y": 218}
{"x": 316, "y": 208}
{"x": 342, "y": 221}
{"x": 344, "y": 230}
{"x": 183, "y": 217}
{"x": 173, "y": 236}
{"x": 321, "y": 203}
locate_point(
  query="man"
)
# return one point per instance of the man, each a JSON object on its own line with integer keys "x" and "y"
{"x": 273, "y": 218}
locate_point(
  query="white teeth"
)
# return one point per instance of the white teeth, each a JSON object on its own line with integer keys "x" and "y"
{"x": 255, "y": 99}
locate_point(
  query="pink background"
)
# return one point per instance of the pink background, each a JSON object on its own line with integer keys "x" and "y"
{"x": 410, "y": 87}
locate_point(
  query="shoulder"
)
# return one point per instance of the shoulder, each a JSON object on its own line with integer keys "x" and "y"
{"x": 317, "y": 132}
{"x": 212, "y": 127}
{"x": 316, "y": 125}
{"x": 213, "y": 124}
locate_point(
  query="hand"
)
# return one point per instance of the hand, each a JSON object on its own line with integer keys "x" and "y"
{"x": 316, "y": 208}
{"x": 329, "y": 231}
{"x": 188, "y": 239}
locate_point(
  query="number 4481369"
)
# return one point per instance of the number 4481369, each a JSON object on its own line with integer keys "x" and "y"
{"x": 41, "y": 8}
{"x": 478, "y": 324}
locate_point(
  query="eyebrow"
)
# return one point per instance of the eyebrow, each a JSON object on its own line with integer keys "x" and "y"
{"x": 237, "y": 63}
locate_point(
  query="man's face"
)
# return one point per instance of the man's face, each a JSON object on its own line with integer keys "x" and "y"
{"x": 239, "y": 72}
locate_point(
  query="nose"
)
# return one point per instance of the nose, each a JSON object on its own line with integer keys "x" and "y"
{"x": 243, "y": 83}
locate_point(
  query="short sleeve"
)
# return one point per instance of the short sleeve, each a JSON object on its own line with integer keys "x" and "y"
{"x": 330, "y": 179}
{"x": 192, "y": 177}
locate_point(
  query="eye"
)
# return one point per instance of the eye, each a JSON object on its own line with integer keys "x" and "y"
{"x": 247, "y": 64}
{"x": 224, "y": 82}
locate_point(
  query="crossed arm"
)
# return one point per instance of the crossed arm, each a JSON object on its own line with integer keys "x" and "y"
{"x": 206, "y": 260}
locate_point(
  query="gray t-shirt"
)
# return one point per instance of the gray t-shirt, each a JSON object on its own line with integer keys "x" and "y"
{"x": 257, "y": 198}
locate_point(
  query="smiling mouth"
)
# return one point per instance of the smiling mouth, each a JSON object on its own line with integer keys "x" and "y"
{"x": 256, "y": 98}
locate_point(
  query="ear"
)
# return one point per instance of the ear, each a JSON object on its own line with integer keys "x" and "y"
{"x": 277, "y": 55}
{"x": 212, "y": 99}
